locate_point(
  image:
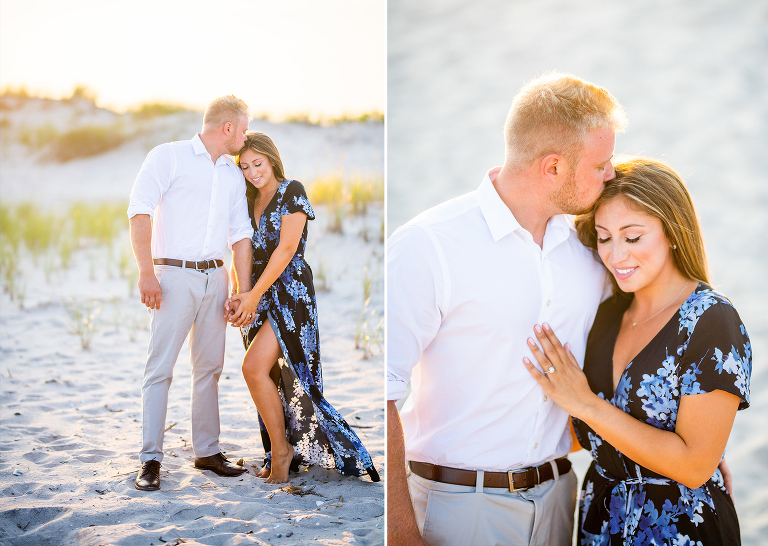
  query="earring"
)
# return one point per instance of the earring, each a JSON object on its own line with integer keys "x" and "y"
{"x": 674, "y": 247}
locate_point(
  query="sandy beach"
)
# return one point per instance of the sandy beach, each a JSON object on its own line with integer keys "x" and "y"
{"x": 691, "y": 77}
{"x": 70, "y": 417}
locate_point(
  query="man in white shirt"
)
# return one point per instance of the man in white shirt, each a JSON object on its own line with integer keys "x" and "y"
{"x": 466, "y": 283}
{"x": 195, "y": 193}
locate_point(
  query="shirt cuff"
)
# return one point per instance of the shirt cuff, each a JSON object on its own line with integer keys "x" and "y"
{"x": 240, "y": 235}
{"x": 396, "y": 388}
{"x": 133, "y": 210}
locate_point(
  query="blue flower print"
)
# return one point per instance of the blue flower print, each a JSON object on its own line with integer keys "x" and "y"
{"x": 703, "y": 348}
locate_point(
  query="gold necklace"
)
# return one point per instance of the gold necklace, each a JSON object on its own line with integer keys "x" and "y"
{"x": 636, "y": 324}
{"x": 271, "y": 194}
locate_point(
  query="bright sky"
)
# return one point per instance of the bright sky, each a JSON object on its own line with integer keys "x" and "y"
{"x": 281, "y": 56}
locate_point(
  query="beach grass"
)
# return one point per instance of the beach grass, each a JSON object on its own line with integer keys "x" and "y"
{"x": 87, "y": 141}
{"x": 151, "y": 110}
{"x": 343, "y": 198}
{"x": 97, "y": 222}
{"x": 38, "y": 137}
{"x": 82, "y": 319}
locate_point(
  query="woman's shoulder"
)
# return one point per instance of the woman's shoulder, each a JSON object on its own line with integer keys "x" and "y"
{"x": 706, "y": 307}
{"x": 292, "y": 187}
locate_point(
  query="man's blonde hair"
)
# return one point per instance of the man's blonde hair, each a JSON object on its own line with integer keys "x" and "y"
{"x": 224, "y": 109}
{"x": 552, "y": 114}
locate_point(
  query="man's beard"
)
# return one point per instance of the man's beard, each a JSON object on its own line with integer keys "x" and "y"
{"x": 566, "y": 197}
{"x": 233, "y": 146}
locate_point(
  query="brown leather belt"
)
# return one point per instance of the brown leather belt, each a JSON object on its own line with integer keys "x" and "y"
{"x": 514, "y": 480}
{"x": 205, "y": 264}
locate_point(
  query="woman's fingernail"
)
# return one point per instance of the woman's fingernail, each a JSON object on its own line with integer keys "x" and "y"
{"x": 525, "y": 359}
{"x": 531, "y": 343}
{"x": 546, "y": 326}
{"x": 537, "y": 328}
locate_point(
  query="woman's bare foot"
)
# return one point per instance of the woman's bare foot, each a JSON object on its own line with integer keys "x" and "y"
{"x": 280, "y": 466}
{"x": 263, "y": 473}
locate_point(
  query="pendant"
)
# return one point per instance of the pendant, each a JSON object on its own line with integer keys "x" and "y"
{"x": 634, "y": 325}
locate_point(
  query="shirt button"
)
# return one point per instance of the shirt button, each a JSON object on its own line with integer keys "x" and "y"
{"x": 549, "y": 302}
{"x": 535, "y": 446}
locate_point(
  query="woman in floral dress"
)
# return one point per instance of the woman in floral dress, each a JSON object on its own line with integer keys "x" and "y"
{"x": 278, "y": 319}
{"x": 667, "y": 366}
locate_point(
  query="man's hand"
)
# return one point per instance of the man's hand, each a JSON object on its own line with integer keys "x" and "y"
{"x": 727, "y": 478}
{"x": 149, "y": 289}
{"x": 230, "y": 309}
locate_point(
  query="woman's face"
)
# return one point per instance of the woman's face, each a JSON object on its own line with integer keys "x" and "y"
{"x": 257, "y": 169}
{"x": 633, "y": 246}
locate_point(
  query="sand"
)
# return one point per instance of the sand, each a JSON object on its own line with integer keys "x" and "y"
{"x": 70, "y": 418}
{"x": 692, "y": 77}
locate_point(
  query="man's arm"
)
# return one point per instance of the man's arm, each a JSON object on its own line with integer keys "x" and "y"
{"x": 240, "y": 275}
{"x": 141, "y": 241}
{"x": 402, "y": 529}
{"x": 241, "y": 265}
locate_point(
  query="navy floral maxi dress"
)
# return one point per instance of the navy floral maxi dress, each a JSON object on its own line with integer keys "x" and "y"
{"x": 704, "y": 347}
{"x": 317, "y": 432}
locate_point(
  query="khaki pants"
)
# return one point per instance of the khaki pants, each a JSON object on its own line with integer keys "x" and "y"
{"x": 458, "y": 515}
{"x": 193, "y": 303}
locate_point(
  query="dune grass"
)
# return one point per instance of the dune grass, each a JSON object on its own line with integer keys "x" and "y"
{"x": 342, "y": 198}
{"x": 41, "y": 232}
{"x": 151, "y": 110}
{"x": 38, "y": 137}
{"x": 87, "y": 141}
{"x": 369, "y": 332}
{"x": 82, "y": 319}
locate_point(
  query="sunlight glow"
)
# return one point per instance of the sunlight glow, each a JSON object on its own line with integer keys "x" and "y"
{"x": 291, "y": 57}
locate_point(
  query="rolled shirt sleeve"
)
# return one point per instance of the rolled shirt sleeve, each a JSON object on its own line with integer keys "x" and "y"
{"x": 239, "y": 222}
{"x": 152, "y": 182}
{"x": 415, "y": 293}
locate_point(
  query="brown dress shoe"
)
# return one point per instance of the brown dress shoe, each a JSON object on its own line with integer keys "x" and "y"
{"x": 219, "y": 464}
{"x": 149, "y": 476}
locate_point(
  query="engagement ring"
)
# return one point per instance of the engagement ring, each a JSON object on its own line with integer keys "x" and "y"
{"x": 550, "y": 370}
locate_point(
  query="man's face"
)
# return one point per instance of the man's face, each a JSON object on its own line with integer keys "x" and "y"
{"x": 583, "y": 185}
{"x": 237, "y": 138}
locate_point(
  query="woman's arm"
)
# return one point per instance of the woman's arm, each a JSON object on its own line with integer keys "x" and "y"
{"x": 688, "y": 455}
{"x": 291, "y": 229}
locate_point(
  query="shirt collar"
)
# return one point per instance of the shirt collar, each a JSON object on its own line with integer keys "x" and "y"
{"x": 497, "y": 215}
{"x": 502, "y": 222}
{"x": 199, "y": 148}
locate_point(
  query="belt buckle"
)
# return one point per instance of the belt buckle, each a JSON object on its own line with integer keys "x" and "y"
{"x": 511, "y": 476}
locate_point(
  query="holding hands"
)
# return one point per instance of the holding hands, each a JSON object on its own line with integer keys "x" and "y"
{"x": 241, "y": 308}
{"x": 562, "y": 380}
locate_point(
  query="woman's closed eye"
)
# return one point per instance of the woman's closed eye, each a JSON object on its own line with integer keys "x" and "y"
{"x": 630, "y": 241}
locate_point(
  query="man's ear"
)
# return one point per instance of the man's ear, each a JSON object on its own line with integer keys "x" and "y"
{"x": 228, "y": 128}
{"x": 552, "y": 167}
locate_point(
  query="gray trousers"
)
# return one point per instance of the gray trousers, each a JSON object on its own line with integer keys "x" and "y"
{"x": 193, "y": 303}
{"x": 459, "y": 515}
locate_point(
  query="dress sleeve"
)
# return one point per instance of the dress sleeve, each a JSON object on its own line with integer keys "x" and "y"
{"x": 717, "y": 354}
{"x": 296, "y": 200}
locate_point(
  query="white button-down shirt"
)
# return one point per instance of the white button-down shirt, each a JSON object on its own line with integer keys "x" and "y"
{"x": 198, "y": 208}
{"x": 465, "y": 286}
